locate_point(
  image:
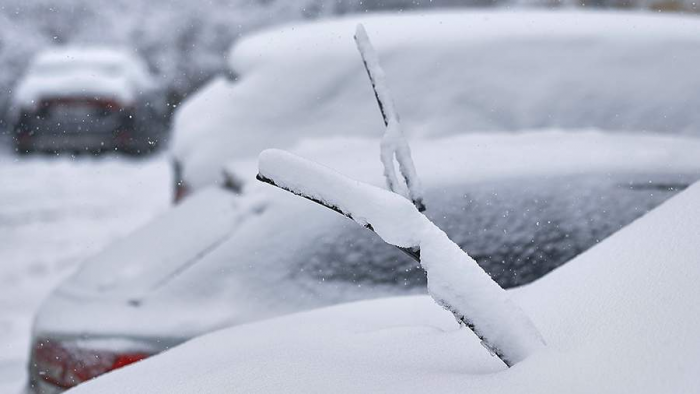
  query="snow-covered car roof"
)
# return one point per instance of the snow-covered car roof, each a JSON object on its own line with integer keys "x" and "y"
{"x": 501, "y": 194}
{"x": 450, "y": 73}
{"x": 622, "y": 317}
{"x": 84, "y": 72}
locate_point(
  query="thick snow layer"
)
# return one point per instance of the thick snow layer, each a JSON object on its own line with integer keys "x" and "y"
{"x": 500, "y": 156}
{"x": 494, "y": 70}
{"x": 84, "y": 72}
{"x": 53, "y": 214}
{"x": 455, "y": 280}
{"x": 622, "y": 317}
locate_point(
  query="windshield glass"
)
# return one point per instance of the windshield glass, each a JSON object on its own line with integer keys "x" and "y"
{"x": 516, "y": 230}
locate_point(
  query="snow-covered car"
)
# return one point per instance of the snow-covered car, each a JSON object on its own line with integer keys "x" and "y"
{"x": 493, "y": 70}
{"x": 87, "y": 99}
{"x": 522, "y": 204}
{"x": 620, "y": 318}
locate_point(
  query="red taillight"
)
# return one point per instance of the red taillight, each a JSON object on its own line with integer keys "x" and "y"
{"x": 123, "y": 360}
{"x": 67, "y": 365}
{"x": 101, "y": 103}
{"x": 123, "y": 136}
{"x": 24, "y": 136}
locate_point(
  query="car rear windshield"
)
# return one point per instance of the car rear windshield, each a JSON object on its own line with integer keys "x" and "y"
{"x": 517, "y": 230}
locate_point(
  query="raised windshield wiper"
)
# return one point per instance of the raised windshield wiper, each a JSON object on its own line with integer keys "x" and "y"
{"x": 455, "y": 281}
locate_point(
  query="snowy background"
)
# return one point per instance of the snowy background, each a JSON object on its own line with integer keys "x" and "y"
{"x": 55, "y": 212}
{"x": 185, "y": 41}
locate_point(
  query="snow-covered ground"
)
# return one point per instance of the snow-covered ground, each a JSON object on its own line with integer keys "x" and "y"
{"x": 54, "y": 212}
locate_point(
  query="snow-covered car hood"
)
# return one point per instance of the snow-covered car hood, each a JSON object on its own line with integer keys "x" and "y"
{"x": 492, "y": 70}
{"x": 111, "y": 289}
{"x": 622, "y": 317}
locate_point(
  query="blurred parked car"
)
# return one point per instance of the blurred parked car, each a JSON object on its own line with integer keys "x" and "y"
{"x": 521, "y": 204}
{"x": 87, "y": 99}
{"x": 450, "y": 73}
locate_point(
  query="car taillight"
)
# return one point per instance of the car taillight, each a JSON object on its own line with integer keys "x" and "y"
{"x": 100, "y": 103}
{"x": 123, "y": 136}
{"x": 67, "y": 365}
{"x": 24, "y": 136}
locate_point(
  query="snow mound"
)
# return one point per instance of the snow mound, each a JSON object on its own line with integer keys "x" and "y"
{"x": 494, "y": 70}
{"x": 622, "y": 317}
{"x": 84, "y": 72}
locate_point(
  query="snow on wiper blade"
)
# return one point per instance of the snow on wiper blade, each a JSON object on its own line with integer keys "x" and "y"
{"x": 394, "y": 145}
{"x": 414, "y": 253}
